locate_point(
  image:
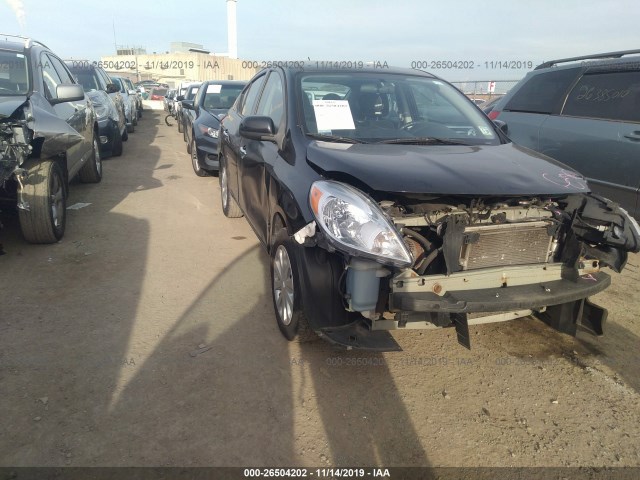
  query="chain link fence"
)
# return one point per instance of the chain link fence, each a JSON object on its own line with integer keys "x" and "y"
{"x": 485, "y": 89}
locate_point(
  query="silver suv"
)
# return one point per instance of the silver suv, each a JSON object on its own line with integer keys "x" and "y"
{"x": 584, "y": 112}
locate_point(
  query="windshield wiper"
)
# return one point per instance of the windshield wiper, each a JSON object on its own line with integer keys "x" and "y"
{"x": 423, "y": 141}
{"x": 335, "y": 138}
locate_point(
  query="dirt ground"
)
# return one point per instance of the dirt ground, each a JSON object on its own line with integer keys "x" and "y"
{"x": 147, "y": 338}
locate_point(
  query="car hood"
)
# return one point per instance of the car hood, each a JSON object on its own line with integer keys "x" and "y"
{"x": 8, "y": 105}
{"x": 448, "y": 169}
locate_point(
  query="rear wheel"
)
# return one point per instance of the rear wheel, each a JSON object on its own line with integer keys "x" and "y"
{"x": 230, "y": 207}
{"x": 91, "y": 172}
{"x": 194, "y": 160}
{"x": 179, "y": 125}
{"x": 44, "y": 192}
{"x": 285, "y": 288}
{"x": 125, "y": 135}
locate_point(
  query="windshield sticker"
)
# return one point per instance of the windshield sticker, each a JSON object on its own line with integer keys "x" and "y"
{"x": 333, "y": 115}
{"x": 485, "y": 131}
{"x": 19, "y": 55}
{"x": 214, "y": 88}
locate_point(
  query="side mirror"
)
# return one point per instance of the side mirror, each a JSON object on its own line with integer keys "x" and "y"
{"x": 68, "y": 93}
{"x": 504, "y": 128}
{"x": 188, "y": 104}
{"x": 180, "y": 98}
{"x": 112, "y": 88}
{"x": 258, "y": 128}
{"x": 132, "y": 92}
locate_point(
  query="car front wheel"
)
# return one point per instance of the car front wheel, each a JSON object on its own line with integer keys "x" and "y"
{"x": 91, "y": 172}
{"x": 230, "y": 207}
{"x": 193, "y": 150}
{"x": 43, "y": 218}
{"x": 285, "y": 288}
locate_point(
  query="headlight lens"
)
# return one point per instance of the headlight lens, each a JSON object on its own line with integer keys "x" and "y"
{"x": 208, "y": 131}
{"x": 355, "y": 224}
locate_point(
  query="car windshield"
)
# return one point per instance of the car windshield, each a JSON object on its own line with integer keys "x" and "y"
{"x": 221, "y": 96}
{"x": 87, "y": 79}
{"x": 390, "y": 108}
{"x": 192, "y": 93}
{"x": 14, "y": 77}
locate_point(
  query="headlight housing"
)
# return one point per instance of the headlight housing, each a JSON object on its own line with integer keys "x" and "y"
{"x": 353, "y": 223}
{"x": 208, "y": 131}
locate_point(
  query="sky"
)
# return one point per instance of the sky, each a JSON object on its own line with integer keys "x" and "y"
{"x": 397, "y": 32}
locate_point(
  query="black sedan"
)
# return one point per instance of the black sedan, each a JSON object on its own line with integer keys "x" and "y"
{"x": 387, "y": 200}
{"x": 202, "y": 122}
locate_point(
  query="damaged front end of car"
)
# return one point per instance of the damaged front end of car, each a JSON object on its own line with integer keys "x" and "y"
{"x": 407, "y": 261}
{"x": 15, "y": 148}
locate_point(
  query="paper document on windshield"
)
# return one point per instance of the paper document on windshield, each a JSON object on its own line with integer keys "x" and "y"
{"x": 214, "y": 88}
{"x": 333, "y": 115}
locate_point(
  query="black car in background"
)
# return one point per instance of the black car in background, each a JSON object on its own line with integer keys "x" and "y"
{"x": 202, "y": 122}
{"x": 584, "y": 112}
{"x": 388, "y": 200}
{"x": 189, "y": 94}
{"x": 108, "y": 104}
{"x": 48, "y": 135}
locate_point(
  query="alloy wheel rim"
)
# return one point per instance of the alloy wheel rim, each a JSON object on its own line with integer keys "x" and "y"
{"x": 57, "y": 201}
{"x": 96, "y": 152}
{"x": 194, "y": 157}
{"x": 223, "y": 186}
{"x": 283, "y": 292}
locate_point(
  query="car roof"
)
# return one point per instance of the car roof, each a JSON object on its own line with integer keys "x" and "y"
{"x": 593, "y": 60}
{"x": 367, "y": 69}
{"x": 18, "y": 43}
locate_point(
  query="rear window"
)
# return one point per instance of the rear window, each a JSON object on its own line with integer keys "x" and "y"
{"x": 610, "y": 96}
{"x": 543, "y": 93}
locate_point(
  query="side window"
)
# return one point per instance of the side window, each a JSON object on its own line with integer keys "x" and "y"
{"x": 543, "y": 93}
{"x": 272, "y": 100}
{"x": 104, "y": 78}
{"x": 610, "y": 96}
{"x": 199, "y": 95}
{"x": 251, "y": 96}
{"x": 49, "y": 76}
{"x": 62, "y": 70}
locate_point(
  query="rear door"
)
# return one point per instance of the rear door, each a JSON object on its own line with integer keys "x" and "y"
{"x": 233, "y": 146}
{"x": 540, "y": 96}
{"x": 598, "y": 134}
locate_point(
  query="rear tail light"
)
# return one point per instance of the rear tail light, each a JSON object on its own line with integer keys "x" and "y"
{"x": 494, "y": 114}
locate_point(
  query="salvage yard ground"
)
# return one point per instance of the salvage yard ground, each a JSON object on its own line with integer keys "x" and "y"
{"x": 147, "y": 337}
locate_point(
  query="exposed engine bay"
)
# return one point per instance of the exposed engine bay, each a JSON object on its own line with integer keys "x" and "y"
{"x": 481, "y": 260}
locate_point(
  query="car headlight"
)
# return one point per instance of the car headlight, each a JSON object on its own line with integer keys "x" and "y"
{"x": 356, "y": 225}
{"x": 208, "y": 131}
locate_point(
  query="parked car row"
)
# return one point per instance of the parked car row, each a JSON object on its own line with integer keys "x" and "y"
{"x": 58, "y": 120}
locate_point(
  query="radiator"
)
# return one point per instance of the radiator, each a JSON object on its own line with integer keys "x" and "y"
{"x": 506, "y": 244}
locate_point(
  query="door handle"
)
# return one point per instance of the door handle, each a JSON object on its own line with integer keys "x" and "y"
{"x": 243, "y": 151}
{"x": 633, "y": 136}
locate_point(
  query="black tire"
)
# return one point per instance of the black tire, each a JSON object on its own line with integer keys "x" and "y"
{"x": 189, "y": 143}
{"x": 91, "y": 172}
{"x": 116, "y": 149}
{"x": 184, "y": 133}
{"x": 285, "y": 290}
{"x": 230, "y": 207}
{"x": 180, "y": 125}
{"x": 125, "y": 135}
{"x": 131, "y": 128}
{"x": 44, "y": 191}
{"x": 135, "y": 119}
{"x": 193, "y": 150}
